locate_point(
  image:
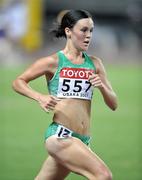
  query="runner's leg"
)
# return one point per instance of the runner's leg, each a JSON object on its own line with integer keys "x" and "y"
{"x": 77, "y": 157}
{"x": 52, "y": 170}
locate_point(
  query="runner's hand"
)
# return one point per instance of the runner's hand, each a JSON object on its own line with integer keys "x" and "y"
{"x": 48, "y": 102}
{"x": 95, "y": 80}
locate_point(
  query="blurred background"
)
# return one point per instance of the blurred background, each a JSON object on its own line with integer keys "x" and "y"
{"x": 24, "y": 27}
{"x": 117, "y": 40}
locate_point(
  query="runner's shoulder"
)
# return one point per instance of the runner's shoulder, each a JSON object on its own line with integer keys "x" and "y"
{"x": 97, "y": 61}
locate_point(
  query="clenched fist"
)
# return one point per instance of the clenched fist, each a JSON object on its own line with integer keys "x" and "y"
{"x": 95, "y": 80}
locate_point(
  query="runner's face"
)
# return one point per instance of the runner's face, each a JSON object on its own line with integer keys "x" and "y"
{"x": 81, "y": 33}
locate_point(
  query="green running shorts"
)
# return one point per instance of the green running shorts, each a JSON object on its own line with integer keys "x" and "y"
{"x": 62, "y": 132}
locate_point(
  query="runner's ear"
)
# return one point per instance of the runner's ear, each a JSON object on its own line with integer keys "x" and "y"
{"x": 68, "y": 32}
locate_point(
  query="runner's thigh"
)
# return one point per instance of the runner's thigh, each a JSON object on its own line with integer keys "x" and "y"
{"x": 76, "y": 156}
{"x": 52, "y": 170}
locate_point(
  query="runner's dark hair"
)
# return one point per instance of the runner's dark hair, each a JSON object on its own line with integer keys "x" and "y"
{"x": 69, "y": 19}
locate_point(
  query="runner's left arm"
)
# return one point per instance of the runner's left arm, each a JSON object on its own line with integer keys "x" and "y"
{"x": 99, "y": 80}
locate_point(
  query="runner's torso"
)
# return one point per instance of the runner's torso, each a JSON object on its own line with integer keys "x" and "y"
{"x": 70, "y": 83}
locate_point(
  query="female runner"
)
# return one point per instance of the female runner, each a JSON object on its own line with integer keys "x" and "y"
{"x": 72, "y": 76}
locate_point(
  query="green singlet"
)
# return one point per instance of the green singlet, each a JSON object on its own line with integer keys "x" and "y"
{"x": 71, "y": 80}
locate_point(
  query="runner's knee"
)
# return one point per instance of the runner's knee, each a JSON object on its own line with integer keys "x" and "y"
{"x": 37, "y": 178}
{"x": 104, "y": 174}
{"x": 42, "y": 176}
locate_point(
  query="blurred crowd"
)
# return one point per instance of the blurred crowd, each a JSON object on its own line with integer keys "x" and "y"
{"x": 13, "y": 27}
{"x": 113, "y": 39}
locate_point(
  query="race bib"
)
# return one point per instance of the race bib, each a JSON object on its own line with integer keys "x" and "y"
{"x": 73, "y": 83}
{"x": 63, "y": 132}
